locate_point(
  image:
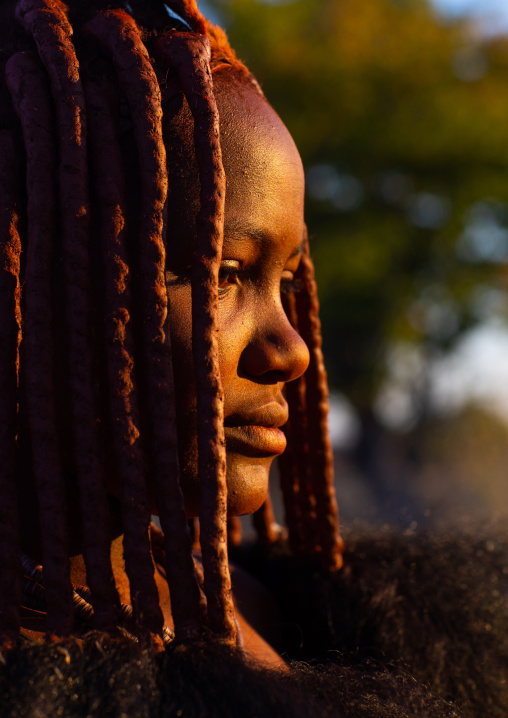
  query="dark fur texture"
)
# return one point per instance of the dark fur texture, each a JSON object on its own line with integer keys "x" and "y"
{"x": 117, "y": 677}
{"x": 436, "y": 606}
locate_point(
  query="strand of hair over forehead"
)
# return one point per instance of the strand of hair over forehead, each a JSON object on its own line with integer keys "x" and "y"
{"x": 141, "y": 405}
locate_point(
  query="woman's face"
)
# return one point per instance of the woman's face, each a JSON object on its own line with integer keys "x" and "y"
{"x": 259, "y": 350}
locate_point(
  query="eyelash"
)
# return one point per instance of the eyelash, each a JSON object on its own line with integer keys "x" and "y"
{"x": 286, "y": 286}
{"x": 225, "y": 273}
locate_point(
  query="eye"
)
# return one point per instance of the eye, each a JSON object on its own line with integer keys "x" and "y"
{"x": 287, "y": 282}
{"x": 229, "y": 275}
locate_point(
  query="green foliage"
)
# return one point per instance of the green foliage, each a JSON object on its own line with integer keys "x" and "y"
{"x": 402, "y": 123}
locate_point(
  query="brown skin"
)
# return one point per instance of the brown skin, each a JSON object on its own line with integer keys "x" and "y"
{"x": 259, "y": 350}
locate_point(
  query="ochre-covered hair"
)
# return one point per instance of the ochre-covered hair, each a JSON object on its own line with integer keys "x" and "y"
{"x": 82, "y": 285}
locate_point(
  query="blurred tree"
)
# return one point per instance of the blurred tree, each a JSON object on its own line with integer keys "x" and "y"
{"x": 402, "y": 123}
{"x": 469, "y": 450}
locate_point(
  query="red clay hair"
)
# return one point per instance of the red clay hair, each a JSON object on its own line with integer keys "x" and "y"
{"x": 88, "y": 65}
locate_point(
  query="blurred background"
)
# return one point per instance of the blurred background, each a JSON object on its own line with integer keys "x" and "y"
{"x": 400, "y": 111}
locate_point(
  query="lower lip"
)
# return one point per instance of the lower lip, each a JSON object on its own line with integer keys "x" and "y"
{"x": 255, "y": 440}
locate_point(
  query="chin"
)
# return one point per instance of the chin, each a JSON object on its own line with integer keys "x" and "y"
{"x": 247, "y": 479}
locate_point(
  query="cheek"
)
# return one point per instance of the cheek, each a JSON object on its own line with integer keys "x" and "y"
{"x": 227, "y": 364}
{"x": 247, "y": 477}
{"x": 234, "y": 328}
{"x": 232, "y": 322}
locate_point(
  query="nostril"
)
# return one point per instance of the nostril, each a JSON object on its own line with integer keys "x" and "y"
{"x": 275, "y": 356}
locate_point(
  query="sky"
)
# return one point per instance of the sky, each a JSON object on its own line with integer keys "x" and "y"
{"x": 492, "y": 14}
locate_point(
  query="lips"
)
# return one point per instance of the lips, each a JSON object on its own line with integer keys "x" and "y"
{"x": 257, "y": 432}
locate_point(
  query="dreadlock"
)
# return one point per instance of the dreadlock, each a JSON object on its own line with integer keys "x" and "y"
{"x": 28, "y": 86}
{"x": 316, "y": 401}
{"x": 294, "y": 466}
{"x": 118, "y": 34}
{"x": 48, "y": 24}
{"x": 306, "y": 468}
{"x": 120, "y": 361}
{"x": 10, "y": 328}
{"x": 64, "y": 94}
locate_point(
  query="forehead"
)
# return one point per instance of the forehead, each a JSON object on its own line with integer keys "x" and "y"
{"x": 264, "y": 174}
{"x": 256, "y": 145}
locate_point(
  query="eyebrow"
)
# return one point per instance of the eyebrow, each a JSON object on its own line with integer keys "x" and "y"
{"x": 237, "y": 230}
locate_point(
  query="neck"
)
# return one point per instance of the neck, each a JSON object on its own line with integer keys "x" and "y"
{"x": 78, "y": 570}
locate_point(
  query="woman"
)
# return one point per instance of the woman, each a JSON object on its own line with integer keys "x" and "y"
{"x": 157, "y": 323}
{"x": 97, "y": 398}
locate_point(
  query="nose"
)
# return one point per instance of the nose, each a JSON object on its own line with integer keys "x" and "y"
{"x": 275, "y": 352}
